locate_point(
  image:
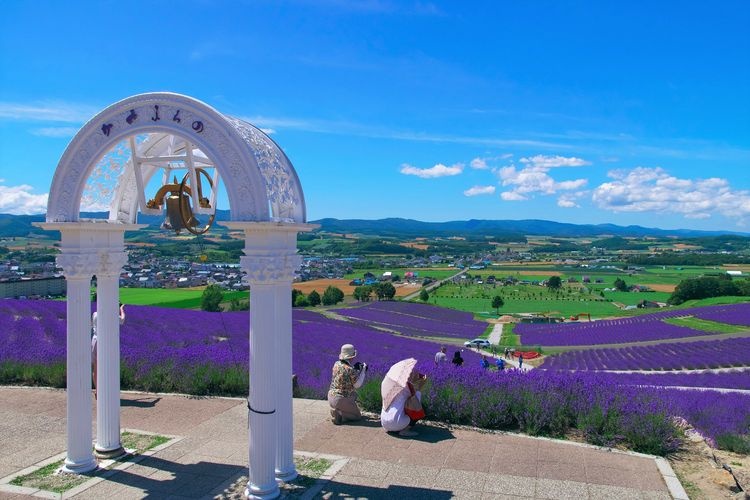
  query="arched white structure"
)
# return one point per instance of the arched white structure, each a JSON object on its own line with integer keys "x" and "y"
{"x": 266, "y": 202}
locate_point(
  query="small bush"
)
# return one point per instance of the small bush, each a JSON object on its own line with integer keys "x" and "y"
{"x": 734, "y": 443}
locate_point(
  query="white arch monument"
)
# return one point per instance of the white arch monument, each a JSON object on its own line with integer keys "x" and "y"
{"x": 266, "y": 203}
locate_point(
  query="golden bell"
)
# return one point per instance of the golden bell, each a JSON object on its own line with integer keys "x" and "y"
{"x": 174, "y": 217}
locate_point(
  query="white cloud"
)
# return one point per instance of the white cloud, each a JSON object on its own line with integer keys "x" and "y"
{"x": 19, "y": 200}
{"x": 479, "y": 190}
{"x": 534, "y": 179}
{"x": 438, "y": 170}
{"x": 644, "y": 189}
{"x": 479, "y": 164}
{"x": 512, "y": 196}
{"x": 55, "y": 131}
{"x": 51, "y": 111}
{"x": 268, "y": 131}
{"x": 569, "y": 200}
{"x": 543, "y": 161}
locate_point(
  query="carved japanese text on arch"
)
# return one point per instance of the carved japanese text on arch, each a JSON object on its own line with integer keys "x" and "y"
{"x": 78, "y": 265}
{"x": 270, "y": 269}
{"x": 154, "y": 111}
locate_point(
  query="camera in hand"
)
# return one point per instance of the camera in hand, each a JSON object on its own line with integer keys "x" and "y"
{"x": 360, "y": 366}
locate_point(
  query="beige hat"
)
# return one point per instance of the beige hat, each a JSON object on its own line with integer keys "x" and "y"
{"x": 347, "y": 352}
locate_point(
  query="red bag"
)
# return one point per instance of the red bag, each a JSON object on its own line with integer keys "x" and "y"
{"x": 413, "y": 408}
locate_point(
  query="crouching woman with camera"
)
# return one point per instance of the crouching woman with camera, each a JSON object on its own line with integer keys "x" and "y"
{"x": 346, "y": 378}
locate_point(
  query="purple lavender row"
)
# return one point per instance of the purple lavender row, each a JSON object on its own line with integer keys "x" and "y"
{"x": 604, "y": 332}
{"x": 727, "y": 353}
{"x": 428, "y": 327}
{"x": 734, "y": 379}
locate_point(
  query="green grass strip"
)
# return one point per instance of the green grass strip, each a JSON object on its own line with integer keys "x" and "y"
{"x": 704, "y": 325}
{"x": 48, "y": 479}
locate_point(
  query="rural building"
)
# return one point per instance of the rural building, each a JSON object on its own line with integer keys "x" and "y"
{"x": 39, "y": 287}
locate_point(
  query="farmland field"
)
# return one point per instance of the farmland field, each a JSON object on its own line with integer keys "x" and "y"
{"x": 402, "y": 289}
{"x": 180, "y": 298}
{"x": 436, "y": 273}
{"x": 207, "y": 353}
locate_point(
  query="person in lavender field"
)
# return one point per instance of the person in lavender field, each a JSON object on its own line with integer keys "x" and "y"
{"x": 457, "y": 359}
{"x": 506, "y": 352}
{"x": 520, "y": 360}
{"x": 347, "y": 377}
{"x": 484, "y": 363}
{"x": 500, "y": 364}
{"x": 440, "y": 356}
{"x": 94, "y": 341}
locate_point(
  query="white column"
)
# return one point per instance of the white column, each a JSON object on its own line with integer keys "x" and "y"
{"x": 261, "y": 399}
{"x": 78, "y": 269}
{"x": 285, "y": 468}
{"x": 108, "y": 347}
{"x": 270, "y": 262}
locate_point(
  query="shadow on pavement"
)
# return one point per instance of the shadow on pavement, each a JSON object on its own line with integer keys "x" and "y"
{"x": 334, "y": 489}
{"x": 148, "y": 402}
{"x": 175, "y": 479}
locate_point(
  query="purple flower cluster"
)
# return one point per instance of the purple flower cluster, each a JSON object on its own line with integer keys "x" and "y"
{"x": 732, "y": 379}
{"x": 727, "y": 353}
{"x": 207, "y": 353}
{"x": 634, "y": 329}
{"x": 416, "y": 320}
{"x": 612, "y": 331}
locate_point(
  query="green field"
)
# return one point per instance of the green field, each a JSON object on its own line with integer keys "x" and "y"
{"x": 175, "y": 297}
{"x": 422, "y": 272}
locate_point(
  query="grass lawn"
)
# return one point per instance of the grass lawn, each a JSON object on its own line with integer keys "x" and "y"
{"x": 175, "y": 297}
{"x": 552, "y": 307}
{"x": 705, "y": 325}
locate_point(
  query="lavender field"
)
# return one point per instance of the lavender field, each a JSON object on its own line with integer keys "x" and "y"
{"x": 416, "y": 320}
{"x": 727, "y": 353}
{"x": 207, "y": 353}
{"x": 633, "y": 329}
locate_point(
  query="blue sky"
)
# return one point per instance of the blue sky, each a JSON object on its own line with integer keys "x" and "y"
{"x": 583, "y": 112}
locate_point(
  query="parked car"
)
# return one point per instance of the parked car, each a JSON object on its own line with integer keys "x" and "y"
{"x": 477, "y": 343}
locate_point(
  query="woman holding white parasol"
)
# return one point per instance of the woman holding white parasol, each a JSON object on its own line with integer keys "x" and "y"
{"x": 401, "y": 396}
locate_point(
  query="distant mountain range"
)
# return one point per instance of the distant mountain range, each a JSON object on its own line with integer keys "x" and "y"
{"x": 21, "y": 225}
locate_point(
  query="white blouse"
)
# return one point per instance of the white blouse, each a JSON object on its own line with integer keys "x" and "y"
{"x": 394, "y": 418}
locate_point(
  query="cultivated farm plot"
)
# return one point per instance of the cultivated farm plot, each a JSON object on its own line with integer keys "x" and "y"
{"x": 196, "y": 352}
{"x": 416, "y": 320}
{"x": 726, "y": 353}
{"x": 180, "y": 298}
{"x": 169, "y": 350}
{"x": 641, "y": 328}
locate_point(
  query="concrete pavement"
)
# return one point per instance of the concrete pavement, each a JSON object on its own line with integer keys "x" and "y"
{"x": 211, "y": 454}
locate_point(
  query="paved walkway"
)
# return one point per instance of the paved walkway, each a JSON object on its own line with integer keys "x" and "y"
{"x": 441, "y": 463}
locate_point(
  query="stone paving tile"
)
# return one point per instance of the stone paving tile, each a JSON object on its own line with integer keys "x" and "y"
{"x": 505, "y": 465}
{"x": 602, "y": 492}
{"x": 560, "y": 471}
{"x": 612, "y": 477}
{"x": 372, "y": 469}
{"x": 561, "y": 490}
{"x": 509, "y": 485}
{"x": 458, "y": 480}
{"x": 500, "y": 496}
{"x": 655, "y": 495}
